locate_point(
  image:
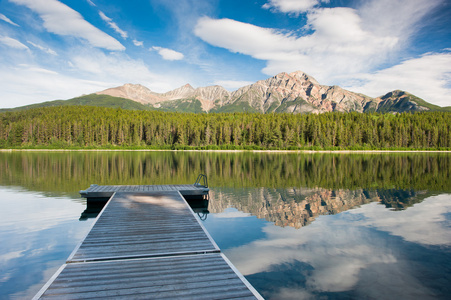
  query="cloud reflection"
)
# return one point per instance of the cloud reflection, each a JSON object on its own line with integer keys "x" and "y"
{"x": 40, "y": 232}
{"x": 357, "y": 253}
{"x": 425, "y": 223}
{"x": 232, "y": 213}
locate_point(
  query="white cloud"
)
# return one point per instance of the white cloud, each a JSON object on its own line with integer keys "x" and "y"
{"x": 232, "y": 84}
{"x": 63, "y": 20}
{"x": 12, "y": 43}
{"x": 38, "y": 70}
{"x": 85, "y": 71}
{"x": 26, "y": 84}
{"x": 46, "y": 50}
{"x": 337, "y": 45}
{"x": 91, "y": 3}
{"x": 262, "y": 43}
{"x": 138, "y": 43}
{"x": 427, "y": 77}
{"x": 291, "y": 6}
{"x": 400, "y": 18}
{"x": 113, "y": 67}
{"x": 113, "y": 25}
{"x": 6, "y": 19}
{"x": 168, "y": 54}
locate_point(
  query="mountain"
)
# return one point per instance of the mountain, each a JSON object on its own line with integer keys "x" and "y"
{"x": 296, "y": 92}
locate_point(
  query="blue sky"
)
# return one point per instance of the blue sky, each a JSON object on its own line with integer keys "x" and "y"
{"x": 54, "y": 49}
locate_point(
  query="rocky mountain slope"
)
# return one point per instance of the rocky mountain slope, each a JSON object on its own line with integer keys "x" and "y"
{"x": 135, "y": 92}
{"x": 296, "y": 92}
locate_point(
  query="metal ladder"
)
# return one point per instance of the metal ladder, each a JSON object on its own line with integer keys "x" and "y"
{"x": 202, "y": 178}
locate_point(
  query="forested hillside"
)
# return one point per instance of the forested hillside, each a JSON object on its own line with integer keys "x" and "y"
{"x": 91, "y": 100}
{"x": 86, "y": 126}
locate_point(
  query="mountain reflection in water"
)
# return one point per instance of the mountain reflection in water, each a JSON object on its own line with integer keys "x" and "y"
{"x": 298, "y": 207}
{"x": 370, "y": 252}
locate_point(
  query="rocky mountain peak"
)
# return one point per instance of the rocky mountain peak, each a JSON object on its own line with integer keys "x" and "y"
{"x": 297, "y": 83}
{"x": 207, "y": 96}
{"x": 211, "y": 93}
{"x": 135, "y": 92}
{"x": 134, "y": 86}
{"x": 398, "y": 100}
{"x": 395, "y": 93}
{"x": 301, "y": 76}
{"x": 185, "y": 91}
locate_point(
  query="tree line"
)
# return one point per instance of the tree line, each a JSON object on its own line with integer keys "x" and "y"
{"x": 88, "y": 126}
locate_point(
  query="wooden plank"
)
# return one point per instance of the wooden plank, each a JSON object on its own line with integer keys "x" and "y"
{"x": 136, "y": 279}
{"x": 135, "y": 266}
{"x": 207, "y": 276}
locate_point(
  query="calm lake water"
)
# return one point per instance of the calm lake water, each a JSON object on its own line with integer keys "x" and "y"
{"x": 298, "y": 226}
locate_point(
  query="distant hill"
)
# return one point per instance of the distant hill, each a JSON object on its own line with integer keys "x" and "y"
{"x": 296, "y": 92}
{"x": 402, "y": 101}
{"x": 91, "y": 100}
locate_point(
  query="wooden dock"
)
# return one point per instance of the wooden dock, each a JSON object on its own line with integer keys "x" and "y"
{"x": 106, "y": 191}
{"x": 147, "y": 245}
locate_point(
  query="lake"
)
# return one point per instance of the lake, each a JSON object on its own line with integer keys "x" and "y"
{"x": 296, "y": 225}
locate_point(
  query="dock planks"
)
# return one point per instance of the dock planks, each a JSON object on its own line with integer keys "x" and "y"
{"x": 207, "y": 276}
{"x": 106, "y": 191}
{"x": 147, "y": 245}
{"x": 144, "y": 224}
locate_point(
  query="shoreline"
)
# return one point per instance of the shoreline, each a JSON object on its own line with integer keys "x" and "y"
{"x": 228, "y": 151}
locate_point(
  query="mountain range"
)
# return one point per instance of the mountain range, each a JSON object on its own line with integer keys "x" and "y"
{"x": 295, "y": 92}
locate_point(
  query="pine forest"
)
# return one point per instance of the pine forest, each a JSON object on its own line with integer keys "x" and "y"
{"x": 100, "y": 127}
